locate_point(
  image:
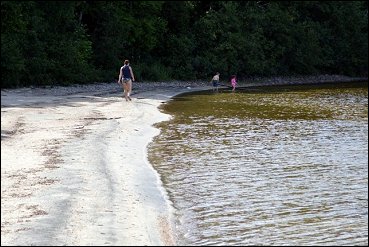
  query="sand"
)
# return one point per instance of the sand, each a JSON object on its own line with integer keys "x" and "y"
{"x": 74, "y": 168}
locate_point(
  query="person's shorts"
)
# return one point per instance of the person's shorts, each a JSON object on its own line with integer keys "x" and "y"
{"x": 126, "y": 80}
{"x": 215, "y": 83}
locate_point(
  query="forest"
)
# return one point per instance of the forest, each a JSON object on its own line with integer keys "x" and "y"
{"x": 47, "y": 43}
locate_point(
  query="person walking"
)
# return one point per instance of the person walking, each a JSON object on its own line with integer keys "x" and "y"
{"x": 126, "y": 77}
{"x": 215, "y": 81}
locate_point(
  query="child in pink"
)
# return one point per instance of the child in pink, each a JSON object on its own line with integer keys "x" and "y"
{"x": 233, "y": 82}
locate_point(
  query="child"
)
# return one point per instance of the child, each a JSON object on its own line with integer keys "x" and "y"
{"x": 215, "y": 81}
{"x": 233, "y": 82}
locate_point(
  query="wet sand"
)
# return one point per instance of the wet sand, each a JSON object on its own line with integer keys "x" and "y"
{"x": 74, "y": 167}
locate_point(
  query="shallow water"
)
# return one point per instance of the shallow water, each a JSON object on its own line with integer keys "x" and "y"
{"x": 267, "y": 166}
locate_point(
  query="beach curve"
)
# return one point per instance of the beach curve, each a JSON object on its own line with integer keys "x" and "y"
{"x": 74, "y": 167}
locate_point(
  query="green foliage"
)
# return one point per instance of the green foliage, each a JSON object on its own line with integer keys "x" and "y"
{"x": 45, "y": 46}
{"x": 13, "y": 28}
{"x": 349, "y": 37}
{"x": 65, "y": 42}
{"x": 152, "y": 72}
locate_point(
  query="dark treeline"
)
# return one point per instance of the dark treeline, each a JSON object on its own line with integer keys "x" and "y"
{"x": 65, "y": 42}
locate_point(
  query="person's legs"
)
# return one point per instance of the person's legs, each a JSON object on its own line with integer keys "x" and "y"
{"x": 125, "y": 92}
{"x": 124, "y": 88}
{"x": 129, "y": 89}
{"x": 215, "y": 85}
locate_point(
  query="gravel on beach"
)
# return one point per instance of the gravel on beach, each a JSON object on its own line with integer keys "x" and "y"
{"x": 101, "y": 88}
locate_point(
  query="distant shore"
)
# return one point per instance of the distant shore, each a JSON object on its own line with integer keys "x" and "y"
{"x": 140, "y": 86}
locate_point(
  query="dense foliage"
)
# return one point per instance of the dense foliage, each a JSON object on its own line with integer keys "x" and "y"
{"x": 64, "y": 42}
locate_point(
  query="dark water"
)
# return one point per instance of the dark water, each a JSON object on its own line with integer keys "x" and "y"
{"x": 267, "y": 166}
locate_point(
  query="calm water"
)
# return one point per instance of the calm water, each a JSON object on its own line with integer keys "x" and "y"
{"x": 266, "y": 166}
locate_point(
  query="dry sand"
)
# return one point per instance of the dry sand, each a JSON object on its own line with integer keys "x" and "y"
{"x": 74, "y": 168}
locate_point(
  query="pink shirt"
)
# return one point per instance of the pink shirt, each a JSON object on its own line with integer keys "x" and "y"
{"x": 233, "y": 81}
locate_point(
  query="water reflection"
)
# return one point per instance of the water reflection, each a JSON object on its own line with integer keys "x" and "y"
{"x": 267, "y": 167}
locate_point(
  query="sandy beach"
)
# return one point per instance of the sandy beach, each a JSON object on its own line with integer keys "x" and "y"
{"x": 74, "y": 168}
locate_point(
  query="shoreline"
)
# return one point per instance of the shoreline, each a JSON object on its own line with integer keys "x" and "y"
{"x": 74, "y": 164}
{"x": 75, "y": 168}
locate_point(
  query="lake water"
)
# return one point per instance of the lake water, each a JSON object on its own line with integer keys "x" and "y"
{"x": 267, "y": 166}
